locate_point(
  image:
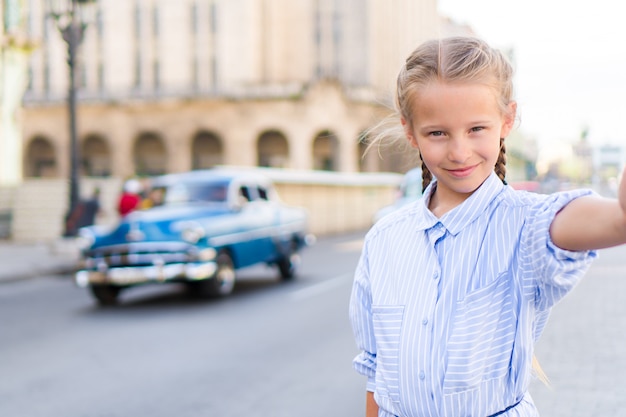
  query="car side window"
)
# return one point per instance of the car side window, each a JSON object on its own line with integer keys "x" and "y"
{"x": 262, "y": 193}
{"x": 244, "y": 192}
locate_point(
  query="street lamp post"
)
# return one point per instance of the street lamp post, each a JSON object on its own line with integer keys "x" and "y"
{"x": 70, "y": 19}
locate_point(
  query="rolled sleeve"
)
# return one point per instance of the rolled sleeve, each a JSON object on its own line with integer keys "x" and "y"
{"x": 365, "y": 364}
{"x": 555, "y": 271}
{"x": 361, "y": 320}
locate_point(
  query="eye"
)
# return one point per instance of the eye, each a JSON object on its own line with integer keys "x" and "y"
{"x": 436, "y": 133}
{"x": 477, "y": 128}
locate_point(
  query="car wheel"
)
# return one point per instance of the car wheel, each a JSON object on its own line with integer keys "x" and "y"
{"x": 289, "y": 262}
{"x": 222, "y": 283}
{"x": 106, "y": 294}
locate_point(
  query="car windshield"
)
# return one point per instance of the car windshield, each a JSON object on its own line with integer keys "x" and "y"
{"x": 196, "y": 192}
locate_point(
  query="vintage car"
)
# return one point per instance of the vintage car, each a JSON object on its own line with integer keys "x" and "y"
{"x": 206, "y": 225}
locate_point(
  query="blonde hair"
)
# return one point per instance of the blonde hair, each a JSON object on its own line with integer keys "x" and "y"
{"x": 450, "y": 60}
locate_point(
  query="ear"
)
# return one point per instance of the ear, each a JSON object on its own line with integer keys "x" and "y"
{"x": 409, "y": 133}
{"x": 509, "y": 119}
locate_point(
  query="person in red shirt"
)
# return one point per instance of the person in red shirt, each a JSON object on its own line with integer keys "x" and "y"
{"x": 130, "y": 198}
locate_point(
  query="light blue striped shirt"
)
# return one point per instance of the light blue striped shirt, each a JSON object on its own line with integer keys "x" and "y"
{"x": 446, "y": 311}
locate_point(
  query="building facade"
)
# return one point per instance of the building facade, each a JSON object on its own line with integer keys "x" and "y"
{"x": 15, "y": 47}
{"x": 168, "y": 86}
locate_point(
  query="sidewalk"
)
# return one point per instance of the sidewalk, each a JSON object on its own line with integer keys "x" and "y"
{"x": 29, "y": 260}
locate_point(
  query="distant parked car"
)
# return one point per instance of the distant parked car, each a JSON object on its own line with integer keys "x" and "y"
{"x": 410, "y": 190}
{"x": 205, "y": 226}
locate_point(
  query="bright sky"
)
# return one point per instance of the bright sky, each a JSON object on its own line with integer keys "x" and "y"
{"x": 570, "y": 63}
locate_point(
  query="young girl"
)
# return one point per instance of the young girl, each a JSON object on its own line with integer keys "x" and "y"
{"x": 451, "y": 292}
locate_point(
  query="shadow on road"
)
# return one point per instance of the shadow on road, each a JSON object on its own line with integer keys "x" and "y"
{"x": 177, "y": 295}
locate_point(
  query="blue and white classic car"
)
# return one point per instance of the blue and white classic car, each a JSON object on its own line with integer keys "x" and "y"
{"x": 207, "y": 225}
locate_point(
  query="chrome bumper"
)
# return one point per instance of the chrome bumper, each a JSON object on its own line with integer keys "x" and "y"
{"x": 130, "y": 275}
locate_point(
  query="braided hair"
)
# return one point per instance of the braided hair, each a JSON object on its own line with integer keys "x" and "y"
{"x": 500, "y": 167}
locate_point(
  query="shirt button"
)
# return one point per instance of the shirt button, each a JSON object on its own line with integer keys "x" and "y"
{"x": 422, "y": 375}
{"x": 425, "y": 322}
{"x": 436, "y": 275}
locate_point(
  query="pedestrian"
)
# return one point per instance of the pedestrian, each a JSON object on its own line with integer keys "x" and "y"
{"x": 130, "y": 199}
{"x": 83, "y": 214}
{"x": 90, "y": 209}
{"x": 452, "y": 291}
{"x": 154, "y": 198}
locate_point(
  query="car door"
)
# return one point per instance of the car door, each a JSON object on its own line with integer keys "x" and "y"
{"x": 256, "y": 219}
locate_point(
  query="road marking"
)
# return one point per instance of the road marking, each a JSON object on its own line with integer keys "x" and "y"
{"x": 322, "y": 287}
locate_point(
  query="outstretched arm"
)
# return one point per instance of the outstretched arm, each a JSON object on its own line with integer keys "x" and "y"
{"x": 591, "y": 222}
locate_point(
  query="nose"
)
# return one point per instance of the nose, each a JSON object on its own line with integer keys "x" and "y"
{"x": 459, "y": 150}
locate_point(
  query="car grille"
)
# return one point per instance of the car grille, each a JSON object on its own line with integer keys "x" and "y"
{"x": 140, "y": 254}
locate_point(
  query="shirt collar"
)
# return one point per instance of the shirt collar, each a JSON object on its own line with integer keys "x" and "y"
{"x": 465, "y": 213}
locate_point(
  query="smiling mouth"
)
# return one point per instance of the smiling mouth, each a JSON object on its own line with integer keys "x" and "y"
{"x": 462, "y": 172}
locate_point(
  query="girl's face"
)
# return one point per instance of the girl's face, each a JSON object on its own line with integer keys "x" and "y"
{"x": 457, "y": 129}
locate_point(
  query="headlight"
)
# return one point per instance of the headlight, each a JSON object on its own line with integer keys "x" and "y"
{"x": 190, "y": 231}
{"x": 192, "y": 235}
{"x": 207, "y": 254}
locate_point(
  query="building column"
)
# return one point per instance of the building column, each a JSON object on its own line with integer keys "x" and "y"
{"x": 122, "y": 139}
{"x": 348, "y": 149}
{"x": 240, "y": 145}
{"x": 300, "y": 149}
{"x": 178, "y": 141}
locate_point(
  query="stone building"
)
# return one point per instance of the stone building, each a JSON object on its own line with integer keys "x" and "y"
{"x": 15, "y": 47}
{"x": 168, "y": 86}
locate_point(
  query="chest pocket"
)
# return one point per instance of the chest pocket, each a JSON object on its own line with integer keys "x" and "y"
{"x": 387, "y": 322}
{"x": 482, "y": 338}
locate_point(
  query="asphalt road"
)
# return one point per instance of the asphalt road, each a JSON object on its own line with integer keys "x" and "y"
{"x": 271, "y": 349}
{"x": 583, "y": 348}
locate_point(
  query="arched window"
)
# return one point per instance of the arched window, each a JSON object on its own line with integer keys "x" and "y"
{"x": 206, "y": 151}
{"x": 40, "y": 159}
{"x": 96, "y": 156}
{"x": 326, "y": 151}
{"x": 149, "y": 155}
{"x": 272, "y": 150}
